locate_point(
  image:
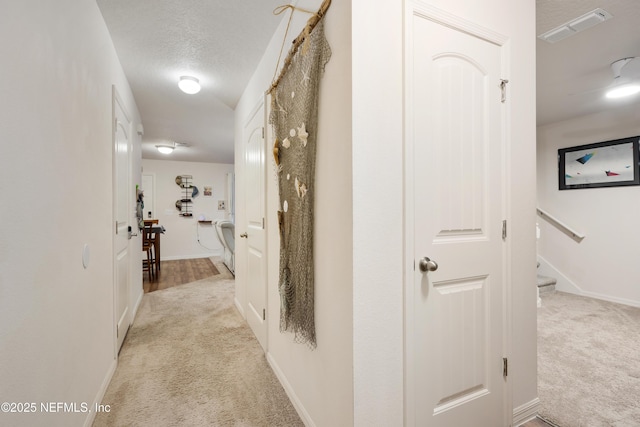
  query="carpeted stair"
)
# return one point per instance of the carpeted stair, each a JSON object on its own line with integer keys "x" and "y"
{"x": 546, "y": 283}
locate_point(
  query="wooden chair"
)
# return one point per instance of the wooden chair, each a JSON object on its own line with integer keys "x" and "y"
{"x": 149, "y": 264}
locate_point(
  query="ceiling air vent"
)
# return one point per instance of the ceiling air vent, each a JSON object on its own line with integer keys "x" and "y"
{"x": 574, "y": 26}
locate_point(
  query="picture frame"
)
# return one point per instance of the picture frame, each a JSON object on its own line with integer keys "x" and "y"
{"x": 612, "y": 163}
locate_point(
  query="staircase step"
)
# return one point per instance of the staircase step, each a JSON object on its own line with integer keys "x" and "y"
{"x": 546, "y": 284}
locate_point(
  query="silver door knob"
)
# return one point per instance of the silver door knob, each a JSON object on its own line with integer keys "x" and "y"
{"x": 426, "y": 264}
{"x": 243, "y": 235}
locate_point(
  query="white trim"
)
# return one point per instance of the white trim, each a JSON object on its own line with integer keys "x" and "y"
{"x": 432, "y": 13}
{"x": 507, "y": 273}
{"x": 240, "y": 308}
{"x": 603, "y": 297}
{"x": 564, "y": 284}
{"x": 526, "y": 412}
{"x": 136, "y": 306}
{"x": 408, "y": 223}
{"x": 297, "y": 404}
{"x": 153, "y": 193}
{"x": 91, "y": 415}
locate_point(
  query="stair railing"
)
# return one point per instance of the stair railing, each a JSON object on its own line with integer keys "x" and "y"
{"x": 575, "y": 235}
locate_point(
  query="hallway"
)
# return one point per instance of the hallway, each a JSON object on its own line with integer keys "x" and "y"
{"x": 191, "y": 360}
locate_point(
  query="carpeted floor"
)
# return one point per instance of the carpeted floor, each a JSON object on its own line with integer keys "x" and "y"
{"x": 588, "y": 362}
{"x": 190, "y": 360}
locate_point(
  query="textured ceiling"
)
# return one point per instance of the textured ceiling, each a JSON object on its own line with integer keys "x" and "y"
{"x": 572, "y": 74}
{"x": 221, "y": 42}
{"x": 218, "y": 41}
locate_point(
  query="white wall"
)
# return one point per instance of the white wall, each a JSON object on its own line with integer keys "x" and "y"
{"x": 378, "y": 309}
{"x": 604, "y": 265}
{"x": 57, "y": 318}
{"x": 319, "y": 381}
{"x": 361, "y": 215}
{"x": 377, "y": 199}
{"x": 180, "y": 241}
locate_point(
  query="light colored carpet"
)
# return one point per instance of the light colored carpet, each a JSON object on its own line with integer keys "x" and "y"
{"x": 191, "y": 360}
{"x": 588, "y": 362}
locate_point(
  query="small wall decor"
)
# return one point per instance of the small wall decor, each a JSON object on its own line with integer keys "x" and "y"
{"x": 604, "y": 164}
{"x": 208, "y": 192}
{"x": 189, "y": 190}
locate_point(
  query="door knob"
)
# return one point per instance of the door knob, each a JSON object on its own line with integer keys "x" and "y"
{"x": 244, "y": 235}
{"x": 426, "y": 264}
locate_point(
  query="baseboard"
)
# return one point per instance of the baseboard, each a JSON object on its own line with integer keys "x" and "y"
{"x": 564, "y": 284}
{"x": 179, "y": 257}
{"x": 603, "y": 297}
{"x": 91, "y": 415}
{"x": 302, "y": 412}
{"x": 137, "y": 305}
{"x": 526, "y": 412}
{"x": 239, "y": 307}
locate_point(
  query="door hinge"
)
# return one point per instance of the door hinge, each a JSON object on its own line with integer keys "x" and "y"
{"x": 503, "y": 89}
{"x": 505, "y": 367}
{"x": 116, "y": 228}
{"x": 263, "y": 133}
{"x": 263, "y": 223}
{"x": 504, "y": 229}
{"x": 264, "y": 314}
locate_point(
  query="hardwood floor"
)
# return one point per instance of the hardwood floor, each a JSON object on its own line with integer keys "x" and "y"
{"x": 179, "y": 272}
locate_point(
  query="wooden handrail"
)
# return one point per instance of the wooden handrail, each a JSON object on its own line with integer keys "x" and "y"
{"x": 577, "y": 236}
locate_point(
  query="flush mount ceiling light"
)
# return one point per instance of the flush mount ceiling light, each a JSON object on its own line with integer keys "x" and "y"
{"x": 165, "y": 148}
{"x": 576, "y": 25}
{"x": 169, "y": 147}
{"x": 623, "y": 83}
{"x": 189, "y": 85}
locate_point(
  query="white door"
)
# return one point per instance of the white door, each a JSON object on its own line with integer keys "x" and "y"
{"x": 148, "y": 187}
{"x": 456, "y": 324}
{"x": 121, "y": 199}
{"x": 255, "y": 226}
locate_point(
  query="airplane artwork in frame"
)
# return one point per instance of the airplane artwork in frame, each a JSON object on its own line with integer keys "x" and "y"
{"x": 603, "y": 164}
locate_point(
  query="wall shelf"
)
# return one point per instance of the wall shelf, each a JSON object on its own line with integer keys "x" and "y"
{"x": 186, "y": 183}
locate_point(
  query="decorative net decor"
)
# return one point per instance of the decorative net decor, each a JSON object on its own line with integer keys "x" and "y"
{"x": 294, "y": 111}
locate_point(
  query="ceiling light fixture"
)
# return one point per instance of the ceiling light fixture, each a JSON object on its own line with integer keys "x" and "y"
{"x": 165, "y": 148}
{"x": 623, "y": 90}
{"x": 189, "y": 84}
{"x": 623, "y": 85}
{"x": 576, "y": 25}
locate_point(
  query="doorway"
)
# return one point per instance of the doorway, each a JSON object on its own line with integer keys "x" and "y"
{"x": 255, "y": 234}
{"x": 122, "y": 198}
{"x": 455, "y": 216}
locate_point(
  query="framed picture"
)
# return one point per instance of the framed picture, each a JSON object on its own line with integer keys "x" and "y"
{"x": 207, "y": 191}
{"x": 604, "y": 164}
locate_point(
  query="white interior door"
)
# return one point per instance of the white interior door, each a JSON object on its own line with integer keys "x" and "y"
{"x": 255, "y": 226}
{"x": 456, "y": 319}
{"x": 121, "y": 199}
{"x": 148, "y": 187}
